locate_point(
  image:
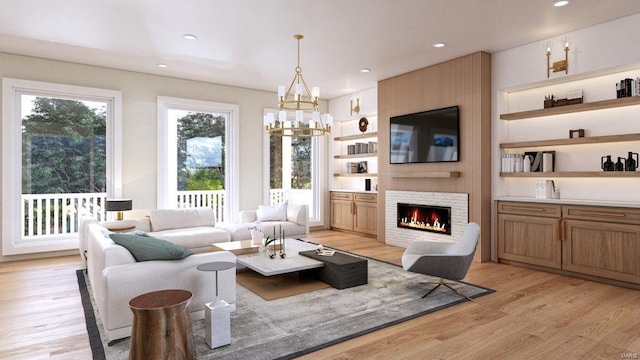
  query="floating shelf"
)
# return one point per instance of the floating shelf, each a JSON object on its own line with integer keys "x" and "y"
{"x": 354, "y": 156}
{"x": 572, "y": 174}
{"x": 568, "y": 109}
{"x": 356, "y": 136}
{"x": 356, "y": 175}
{"x": 424, "y": 174}
{"x": 574, "y": 141}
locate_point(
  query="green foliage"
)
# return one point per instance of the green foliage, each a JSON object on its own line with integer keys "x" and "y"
{"x": 63, "y": 148}
{"x": 195, "y": 125}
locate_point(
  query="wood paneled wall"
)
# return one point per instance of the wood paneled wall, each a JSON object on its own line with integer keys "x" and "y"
{"x": 465, "y": 82}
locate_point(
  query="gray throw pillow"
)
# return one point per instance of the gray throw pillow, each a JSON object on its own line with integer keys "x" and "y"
{"x": 146, "y": 248}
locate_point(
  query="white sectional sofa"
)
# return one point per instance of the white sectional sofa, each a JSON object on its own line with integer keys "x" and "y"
{"x": 116, "y": 277}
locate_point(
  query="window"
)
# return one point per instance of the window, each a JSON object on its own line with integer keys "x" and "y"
{"x": 293, "y": 168}
{"x": 61, "y": 158}
{"x": 197, "y": 148}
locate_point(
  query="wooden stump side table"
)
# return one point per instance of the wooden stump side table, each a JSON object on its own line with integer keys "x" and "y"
{"x": 161, "y": 326}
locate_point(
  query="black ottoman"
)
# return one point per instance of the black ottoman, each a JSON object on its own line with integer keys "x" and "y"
{"x": 340, "y": 270}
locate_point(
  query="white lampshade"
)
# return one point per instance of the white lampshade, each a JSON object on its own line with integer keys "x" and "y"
{"x": 281, "y": 91}
{"x": 315, "y": 92}
{"x": 299, "y": 115}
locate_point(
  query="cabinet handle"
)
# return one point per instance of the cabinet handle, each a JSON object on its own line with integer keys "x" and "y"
{"x": 589, "y": 213}
{"x": 526, "y": 209}
{"x": 353, "y": 208}
{"x": 563, "y": 230}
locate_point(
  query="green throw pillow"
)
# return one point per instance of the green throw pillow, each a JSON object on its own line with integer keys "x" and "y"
{"x": 145, "y": 248}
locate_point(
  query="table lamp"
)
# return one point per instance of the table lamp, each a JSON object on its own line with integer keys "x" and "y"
{"x": 119, "y": 205}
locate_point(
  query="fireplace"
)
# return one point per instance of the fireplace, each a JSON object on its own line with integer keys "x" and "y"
{"x": 430, "y": 218}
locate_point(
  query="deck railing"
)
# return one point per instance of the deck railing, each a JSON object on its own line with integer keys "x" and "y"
{"x": 55, "y": 215}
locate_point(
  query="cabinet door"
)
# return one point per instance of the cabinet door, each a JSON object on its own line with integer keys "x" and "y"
{"x": 602, "y": 249}
{"x": 342, "y": 214}
{"x": 529, "y": 239}
{"x": 366, "y": 217}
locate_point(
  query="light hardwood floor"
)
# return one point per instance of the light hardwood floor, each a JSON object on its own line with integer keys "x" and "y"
{"x": 532, "y": 315}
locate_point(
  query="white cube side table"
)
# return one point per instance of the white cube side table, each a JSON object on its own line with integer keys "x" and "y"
{"x": 217, "y": 314}
{"x": 217, "y": 324}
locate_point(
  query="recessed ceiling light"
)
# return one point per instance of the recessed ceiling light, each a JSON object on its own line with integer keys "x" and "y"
{"x": 439, "y": 45}
{"x": 365, "y": 70}
{"x": 163, "y": 66}
{"x": 561, "y": 3}
{"x": 189, "y": 36}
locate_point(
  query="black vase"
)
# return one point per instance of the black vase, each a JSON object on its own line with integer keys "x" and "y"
{"x": 619, "y": 165}
{"x": 631, "y": 164}
{"x": 607, "y": 165}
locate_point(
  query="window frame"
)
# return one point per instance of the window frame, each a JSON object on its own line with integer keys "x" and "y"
{"x": 167, "y": 176}
{"x": 318, "y": 167}
{"x": 12, "y": 89}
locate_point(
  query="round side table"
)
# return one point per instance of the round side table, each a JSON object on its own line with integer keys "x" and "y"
{"x": 161, "y": 326}
{"x": 217, "y": 315}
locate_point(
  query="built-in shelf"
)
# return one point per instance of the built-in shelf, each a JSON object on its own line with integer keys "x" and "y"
{"x": 572, "y": 174}
{"x": 574, "y": 141}
{"x": 371, "y": 175}
{"x": 356, "y": 136}
{"x": 568, "y": 109}
{"x": 355, "y": 156}
{"x": 424, "y": 174}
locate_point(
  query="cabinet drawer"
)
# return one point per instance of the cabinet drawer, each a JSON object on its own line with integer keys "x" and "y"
{"x": 602, "y": 213}
{"x": 365, "y": 197}
{"x": 530, "y": 209}
{"x": 341, "y": 196}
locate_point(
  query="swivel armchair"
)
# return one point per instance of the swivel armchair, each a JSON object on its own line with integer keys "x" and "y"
{"x": 445, "y": 260}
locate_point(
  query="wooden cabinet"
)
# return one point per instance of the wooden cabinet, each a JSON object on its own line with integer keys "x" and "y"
{"x": 602, "y": 241}
{"x": 598, "y": 241}
{"x": 354, "y": 212}
{"x": 528, "y": 239}
{"x": 341, "y": 211}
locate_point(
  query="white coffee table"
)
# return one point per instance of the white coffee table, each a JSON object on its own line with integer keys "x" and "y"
{"x": 293, "y": 262}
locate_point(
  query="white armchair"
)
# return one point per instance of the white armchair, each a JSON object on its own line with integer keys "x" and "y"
{"x": 445, "y": 260}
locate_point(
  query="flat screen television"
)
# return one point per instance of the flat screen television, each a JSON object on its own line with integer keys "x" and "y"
{"x": 425, "y": 137}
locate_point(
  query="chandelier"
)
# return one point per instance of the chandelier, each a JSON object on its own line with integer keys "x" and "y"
{"x": 301, "y": 100}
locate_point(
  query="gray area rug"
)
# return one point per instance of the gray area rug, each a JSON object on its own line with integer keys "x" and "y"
{"x": 293, "y": 326}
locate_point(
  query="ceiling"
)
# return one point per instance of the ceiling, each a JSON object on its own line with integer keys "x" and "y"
{"x": 249, "y": 43}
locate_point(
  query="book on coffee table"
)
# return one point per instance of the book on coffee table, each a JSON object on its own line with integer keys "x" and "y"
{"x": 325, "y": 252}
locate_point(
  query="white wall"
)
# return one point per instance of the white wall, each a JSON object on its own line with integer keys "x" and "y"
{"x": 139, "y": 93}
{"x": 594, "y": 49}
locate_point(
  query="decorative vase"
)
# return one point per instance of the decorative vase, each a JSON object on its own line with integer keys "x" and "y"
{"x": 256, "y": 237}
{"x": 607, "y": 165}
{"x": 630, "y": 163}
{"x": 619, "y": 166}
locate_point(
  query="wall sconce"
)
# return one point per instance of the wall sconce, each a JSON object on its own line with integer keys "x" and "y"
{"x": 118, "y": 205}
{"x": 562, "y": 65}
{"x": 356, "y": 109}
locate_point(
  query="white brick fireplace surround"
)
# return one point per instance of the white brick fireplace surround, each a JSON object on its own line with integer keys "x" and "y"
{"x": 459, "y": 203}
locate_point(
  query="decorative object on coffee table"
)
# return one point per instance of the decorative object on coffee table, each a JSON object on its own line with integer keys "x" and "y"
{"x": 217, "y": 315}
{"x": 161, "y": 326}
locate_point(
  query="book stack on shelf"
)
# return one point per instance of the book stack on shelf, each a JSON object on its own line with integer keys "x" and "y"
{"x": 360, "y": 167}
{"x": 362, "y": 148}
{"x": 628, "y": 87}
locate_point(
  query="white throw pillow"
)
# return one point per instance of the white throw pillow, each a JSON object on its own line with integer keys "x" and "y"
{"x": 272, "y": 212}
